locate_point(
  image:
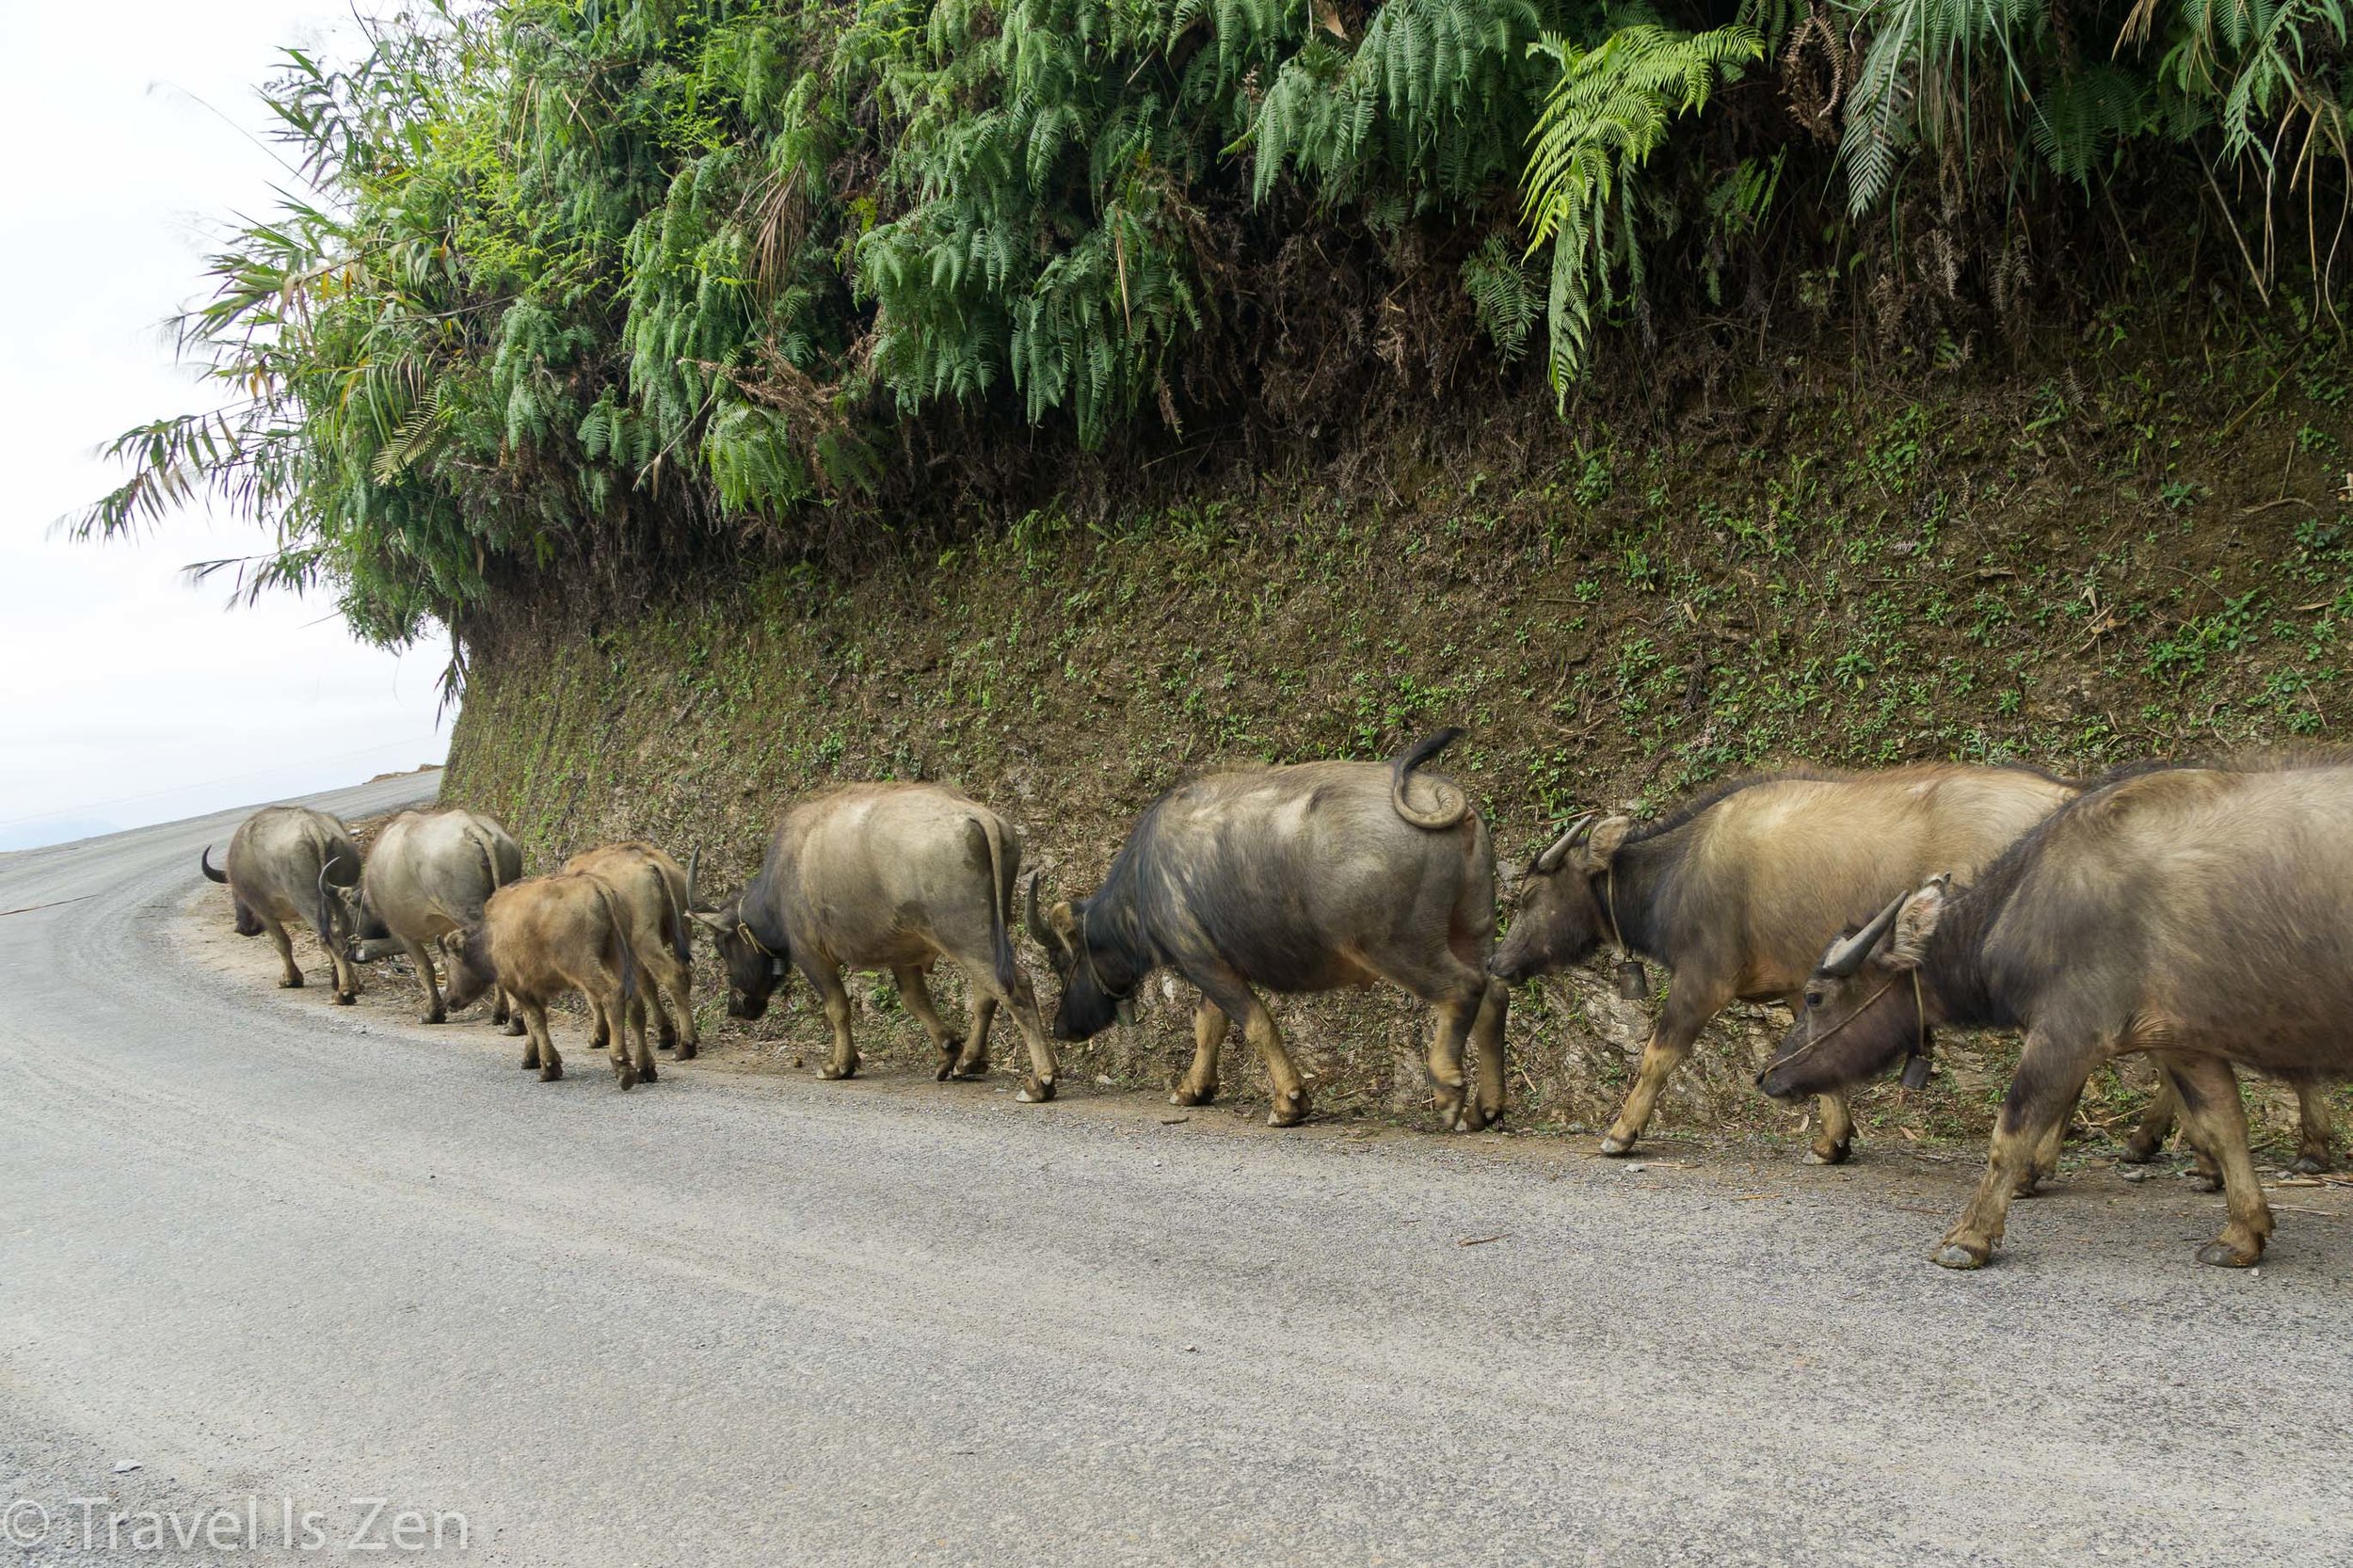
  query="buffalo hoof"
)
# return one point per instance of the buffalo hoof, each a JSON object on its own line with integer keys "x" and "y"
{"x": 648, "y": 1073}
{"x": 626, "y": 1077}
{"x": 2138, "y": 1151}
{"x": 946, "y": 1068}
{"x": 666, "y": 1045}
{"x": 2030, "y": 1185}
{"x": 2310, "y": 1165}
{"x": 1035, "y": 1090}
{"x": 1182, "y": 1095}
{"x": 345, "y": 999}
{"x": 1837, "y": 1153}
{"x": 1955, "y": 1255}
{"x": 830, "y": 1072}
{"x": 687, "y": 1048}
{"x": 514, "y": 1029}
{"x": 1289, "y": 1110}
{"x": 1614, "y": 1145}
{"x": 2226, "y": 1254}
{"x": 434, "y": 1019}
{"x": 293, "y": 982}
{"x": 552, "y": 1073}
{"x": 2208, "y": 1181}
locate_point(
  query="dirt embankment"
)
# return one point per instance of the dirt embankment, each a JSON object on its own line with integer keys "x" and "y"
{"x": 2128, "y": 557}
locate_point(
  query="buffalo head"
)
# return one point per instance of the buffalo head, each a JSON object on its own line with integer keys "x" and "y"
{"x": 1864, "y": 1009}
{"x": 1089, "y": 1005}
{"x": 754, "y": 966}
{"x": 466, "y": 956}
{"x": 1560, "y": 918}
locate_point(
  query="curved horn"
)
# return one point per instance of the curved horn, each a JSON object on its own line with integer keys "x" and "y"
{"x": 1040, "y": 932}
{"x": 1846, "y": 954}
{"x": 212, "y": 872}
{"x": 1558, "y": 851}
{"x": 693, "y": 872}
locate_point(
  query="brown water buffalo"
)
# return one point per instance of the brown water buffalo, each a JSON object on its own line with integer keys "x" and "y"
{"x": 654, "y": 896}
{"x": 895, "y": 876}
{"x": 1301, "y": 878}
{"x": 284, "y": 864}
{"x": 428, "y": 876}
{"x": 542, "y": 937}
{"x": 2196, "y": 914}
{"x": 1738, "y": 890}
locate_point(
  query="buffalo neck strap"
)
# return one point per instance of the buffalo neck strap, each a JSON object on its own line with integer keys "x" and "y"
{"x": 744, "y": 930}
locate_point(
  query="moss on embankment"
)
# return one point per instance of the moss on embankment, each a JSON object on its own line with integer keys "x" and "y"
{"x": 2123, "y": 558}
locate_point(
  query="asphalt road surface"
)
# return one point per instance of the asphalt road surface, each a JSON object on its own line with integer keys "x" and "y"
{"x": 289, "y": 1259}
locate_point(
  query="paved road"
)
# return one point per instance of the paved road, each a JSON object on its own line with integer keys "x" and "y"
{"x": 271, "y": 1249}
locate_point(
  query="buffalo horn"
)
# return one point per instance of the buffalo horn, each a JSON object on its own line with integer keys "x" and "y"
{"x": 1558, "y": 851}
{"x": 1040, "y": 932}
{"x": 212, "y": 872}
{"x": 1846, "y": 954}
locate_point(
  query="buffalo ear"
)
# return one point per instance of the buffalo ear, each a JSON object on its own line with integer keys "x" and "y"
{"x": 1063, "y": 923}
{"x": 1601, "y": 844}
{"x": 1915, "y": 923}
{"x": 711, "y": 920}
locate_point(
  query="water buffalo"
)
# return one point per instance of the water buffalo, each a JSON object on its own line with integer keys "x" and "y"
{"x": 284, "y": 864}
{"x": 1309, "y": 878}
{"x": 545, "y": 935}
{"x": 429, "y": 875}
{"x": 1738, "y": 890}
{"x": 893, "y": 876}
{"x": 2196, "y": 914}
{"x": 654, "y": 896}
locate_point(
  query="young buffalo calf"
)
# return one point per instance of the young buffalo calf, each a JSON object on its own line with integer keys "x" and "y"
{"x": 542, "y": 937}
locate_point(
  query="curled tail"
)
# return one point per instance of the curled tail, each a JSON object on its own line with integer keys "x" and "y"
{"x": 1453, "y": 804}
{"x": 1004, "y": 865}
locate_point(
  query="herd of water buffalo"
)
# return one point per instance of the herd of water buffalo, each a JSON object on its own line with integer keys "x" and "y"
{"x": 2198, "y": 914}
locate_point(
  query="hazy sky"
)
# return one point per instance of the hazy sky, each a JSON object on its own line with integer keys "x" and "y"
{"x": 126, "y": 694}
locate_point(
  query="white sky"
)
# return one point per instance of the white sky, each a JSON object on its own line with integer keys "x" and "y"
{"x": 126, "y": 694}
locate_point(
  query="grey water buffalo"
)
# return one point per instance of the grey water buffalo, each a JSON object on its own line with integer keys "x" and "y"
{"x": 1738, "y": 890}
{"x": 542, "y": 937}
{"x": 1309, "y": 878}
{"x": 284, "y": 864}
{"x": 654, "y": 896}
{"x": 428, "y": 877}
{"x": 2198, "y": 915}
{"x": 894, "y": 876}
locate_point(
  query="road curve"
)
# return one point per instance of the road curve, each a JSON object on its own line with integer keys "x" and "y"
{"x": 270, "y": 1249}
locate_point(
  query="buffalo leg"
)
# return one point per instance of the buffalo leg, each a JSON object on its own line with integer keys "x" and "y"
{"x": 1021, "y": 1001}
{"x": 2049, "y": 1081}
{"x": 918, "y": 999}
{"x": 291, "y": 979}
{"x": 435, "y": 1010}
{"x": 2148, "y": 1134}
{"x": 347, "y": 977}
{"x": 2311, "y": 1148}
{"x": 1458, "y": 992}
{"x": 510, "y": 1014}
{"x": 2215, "y": 1115}
{"x": 614, "y": 1018}
{"x": 1487, "y": 1051}
{"x": 1199, "y": 1084}
{"x": 669, "y": 983}
{"x": 826, "y": 981}
{"x": 1679, "y": 1023}
{"x": 1234, "y": 996}
{"x": 980, "y": 1015}
{"x": 1834, "y": 1130}
{"x": 539, "y": 1045}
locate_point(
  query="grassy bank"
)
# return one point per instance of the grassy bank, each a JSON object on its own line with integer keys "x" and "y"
{"x": 2132, "y": 555}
